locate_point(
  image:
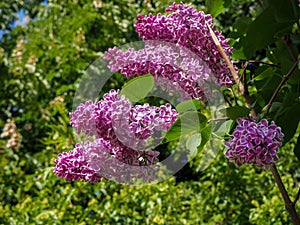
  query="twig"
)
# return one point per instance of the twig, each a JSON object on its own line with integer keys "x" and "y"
{"x": 246, "y": 91}
{"x": 218, "y": 119}
{"x": 234, "y": 95}
{"x": 227, "y": 101}
{"x": 297, "y": 197}
{"x": 284, "y": 79}
{"x": 232, "y": 70}
{"x": 244, "y": 69}
{"x": 289, "y": 205}
{"x": 260, "y": 3}
{"x": 225, "y": 57}
{"x": 262, "y": 62}
{"x": 287, "y": 41}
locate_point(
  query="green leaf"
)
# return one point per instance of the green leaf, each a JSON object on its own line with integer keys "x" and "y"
{"x": 289, "y": 121}
{"x": 265, "y": 74}
{"x": 65, "y": 88}
{"x": 297, "y": 148}
{"x": 193, "y": 142}
{"x": 276, "y": 106}
{"x": 224, "y": 128}
{"x": 205, "y": 136}
{"x": 239, "y": 54}
{"x": 189, "y": 105}
{"x": 227, "y": 3}
{"x": 206, "y": 154}
{"x": 290, "y": 99}
{"x": 284, "y": 11}
{"x": 283, "y": 56}
{"x": 187, "y": 123}
{"x": 138, "y": 88}
{"x": 215, "y": 7}
{"x": 262, "y": 32}
{"x": 236, "y": 112}
{"x": 242, "y": 24}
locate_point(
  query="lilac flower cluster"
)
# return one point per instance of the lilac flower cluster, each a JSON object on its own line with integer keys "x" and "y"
{"x": 254, "y": 143}
{"x": 116, "y": 114}
{"x": 180, "y": 49}
{"x": 120, "y": 131}
{"x": 185, "y": 26}
{"x": 73, "y": 166}
{"x": 166, "y": 61}
{"x": 93, "y": 160}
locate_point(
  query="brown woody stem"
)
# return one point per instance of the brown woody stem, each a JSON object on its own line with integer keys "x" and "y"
{"x": 284, "y": 79}
{"x": 290, "y": 206}
{"x": 297, "y": 197}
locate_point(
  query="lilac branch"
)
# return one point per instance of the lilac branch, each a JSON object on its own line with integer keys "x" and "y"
{"x": 284, "y": 79}
{"x": 288, "y": 43}
{"x": 246, "y": 91}
{"x": 289, "y": 205}
{"x": 260, "y": 3}
{"x": 262, "y": 62}
{"x": 227, "y": 61}
{"x": 218, "y": 119}
{"x": 297, "y": 197}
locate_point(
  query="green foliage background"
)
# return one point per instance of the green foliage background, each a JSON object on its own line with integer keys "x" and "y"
{"x": 41, "y": 66}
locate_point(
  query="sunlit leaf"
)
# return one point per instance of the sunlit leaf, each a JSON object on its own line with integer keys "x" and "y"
{"x": 138, "y": 88}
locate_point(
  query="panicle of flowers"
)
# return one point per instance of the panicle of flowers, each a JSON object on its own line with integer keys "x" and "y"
{"x": 254, "y": 143}
{"x": 185, "y": 26}
{"x": 19, "y": 50}
{"x": 148, "y": 118}
{"x": 116, "y": 114}
{"x": 166, "y": 61}
{"x": 73, "y": 166}
{"x": 120, "y": 131}
{"x": 82, "y": 119}
{"x": 10, "y": 130}
{"x": 92, "y": 161}
{"x": 121, "y": 162}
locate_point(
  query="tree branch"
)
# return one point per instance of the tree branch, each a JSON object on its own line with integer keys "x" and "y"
{"x": 218, "y": 119}
{"x": 297, "y": 197}
{"x": 287, "y": 41}
{"x": 284, "y": 79}
{"x": 262, "y": 62}
{"x": 246, "y": 91}
{"x": 289, "y": 205}
{"x": 260, "y": 3}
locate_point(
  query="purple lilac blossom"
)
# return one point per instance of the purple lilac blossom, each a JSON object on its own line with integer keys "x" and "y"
{"x": 187, "y": 27}
{"x": 120, "y": 131}
{"x": 92, "y": 161}
{"x": 166, "y": 61}
{"x": 114, "y": 118}
{"x": 72, "y": 166}
{"x": 254, "y": 143}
